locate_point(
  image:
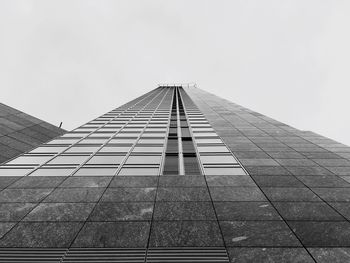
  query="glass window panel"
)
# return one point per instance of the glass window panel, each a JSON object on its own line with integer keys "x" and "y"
{"x": 111, "y": 126}
{"x": 139, "y": 171}
{"x": 123, "y": 140}
{"x": 154, "y": 125}
{"x": 52, "y": 172}
{"x": 115, "y": 149}
{"x": 224, "y": 171}
{"x": 85, "y": 130}
{"x": 55, "y": 149}
{"x": 150, "y": 135}
{"x": 200, "y": 125}
{"x": 205, "y": 134}
{"x": 218, "y": 159}
{"x": 93, "y": 141}
{"x": 148, "y": 149}
{"x": 158, "y": 141}
{"x": 63, "y": 141}
{"x": 88, "y": 149}
{"x": 69, "y": 159}
{"x": 31, "y": 159}
{"x": 212, "y": 149}
{"x": 101, "y": 135}
{"x": 112, "y": 129}
{"x": 96, "y": 171}
{"x": 144, "y": 159}
{"x": 155, "y": 130}
{"x": 14, "y": 172}
{"x": 202, "y": 129}
{"x": 75, "y": 135}
{"x": 132, "y": 129}
{"x": 127, "y": 134}
{"x": 106, "y": 159}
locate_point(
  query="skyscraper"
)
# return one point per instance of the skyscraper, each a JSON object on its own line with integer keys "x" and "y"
{"x": 178, "y": 175}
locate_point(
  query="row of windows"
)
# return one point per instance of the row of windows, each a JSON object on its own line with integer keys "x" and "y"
{"x": 126, "y": 147}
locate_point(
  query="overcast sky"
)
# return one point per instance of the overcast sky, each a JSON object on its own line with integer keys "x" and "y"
{"x": 72, "y": 61}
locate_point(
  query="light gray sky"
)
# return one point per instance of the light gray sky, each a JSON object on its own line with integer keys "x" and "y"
{"x": 72, "y": 61}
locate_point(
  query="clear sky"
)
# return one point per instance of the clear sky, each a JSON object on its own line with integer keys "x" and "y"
{"x": 72, "y": 61}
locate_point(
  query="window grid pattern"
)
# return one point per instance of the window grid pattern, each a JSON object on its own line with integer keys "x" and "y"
{"x": 214, "y": 156}
{"x": 161, "y": 132}
{"x": 102, "y": 146}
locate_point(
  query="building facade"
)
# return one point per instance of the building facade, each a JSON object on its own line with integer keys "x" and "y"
{"x": 178, "y": 175}
{"x": 20, "y": 132}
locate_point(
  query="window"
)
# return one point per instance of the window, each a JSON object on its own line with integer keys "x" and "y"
{"x": 123, "y": 140}
{"x": 202, "y": 129}
{"x": 128, "y": 134}
{"x": 149, "y": 135}
{"x": 31, "y": 159}
{"x": 205, "y": 134}
{"x": 144, "y": 159}
{"x": 147, "y": 149}
{"x": 151, "y": 141}
{"x": 116, "y": 149}
{"x": 96, "y": 171}
{"x": 82, "y": 149}
{"x": 69, "y": 159}
{"x": 214, "y": 140}
{"x": 14, "y": 171}
{"x": 93, "y": 141}
{"x": 47, "y": 149}
{"x": 63, "y": 141}
{"x": 106, "y": 159}
{"x": 75, "y": 135}
{"x": 101, "y": 135}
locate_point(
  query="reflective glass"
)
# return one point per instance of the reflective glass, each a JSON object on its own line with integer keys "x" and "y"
{"x": 115, "y": 149}
{"x": 127, "y": 134}
{"x": 217, "y": 159}
{"x": 55, "y": 149}
{"x": 75, "y": 135}
{"x": 123, "y": 140}
{"x": 63, "y": 141}
{"x": 148, "y": 149}
{"x": 14, "y": 171}
{"x": 144, "y": 159}
{"x": 106, "y": 159}
{"x": 212, "y": 149}
{"x": 205, "y": 134}
{"x": 69, "y": 159}
{"x": 157, "y": 141}
{"x": 31, "y": 159}
{"x": 101, "y": 135}
{"x": 148, "y": 135}
{"x": 87, "y": 149}
{"x": 93, "y": 141}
